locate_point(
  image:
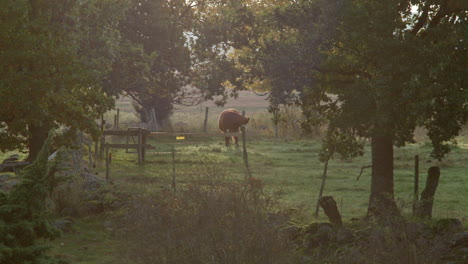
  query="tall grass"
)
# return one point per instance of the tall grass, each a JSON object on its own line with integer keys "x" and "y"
{"x": 210, "y": 220}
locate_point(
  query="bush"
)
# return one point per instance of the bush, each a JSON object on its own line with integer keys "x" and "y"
{"x": 397, "y": 241}
{"x": 22, "y": 214}
{"x": 209, "y": 220}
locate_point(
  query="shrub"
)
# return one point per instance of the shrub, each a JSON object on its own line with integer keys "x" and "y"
{"x": 209, "y": 220}
{"x": 22, "y": 214}
{"x": 396, "y": 241}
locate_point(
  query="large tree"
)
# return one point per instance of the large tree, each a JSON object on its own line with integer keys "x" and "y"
{"x": 369, "y": 70}
{"x": 54, "y": 56}
{"x": 155, "y": 66}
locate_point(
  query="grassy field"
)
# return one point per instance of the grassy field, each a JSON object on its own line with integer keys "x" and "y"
{"x": 288, "y": 168}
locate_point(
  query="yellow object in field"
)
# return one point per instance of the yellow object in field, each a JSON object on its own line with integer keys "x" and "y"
{"x": 180, "y": 138}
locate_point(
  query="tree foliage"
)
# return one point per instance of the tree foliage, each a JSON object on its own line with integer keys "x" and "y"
{"x": 55, "y": 55}
{"x": 155, "y": 67}
{"x": 367, "y": 69}
{"x": 23, "y": 215}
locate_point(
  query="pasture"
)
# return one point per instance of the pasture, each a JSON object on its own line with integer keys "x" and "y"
{"x": 287, "y": 167}
{"x": 291, "y": 170}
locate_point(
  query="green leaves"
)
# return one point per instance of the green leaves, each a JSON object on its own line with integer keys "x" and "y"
{"x": 362, "y": 67}
{"x": 22, "y": 213}
{"x": 55, "y": 55}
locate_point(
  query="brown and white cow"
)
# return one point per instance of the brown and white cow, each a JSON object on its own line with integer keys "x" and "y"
{"x": 229, "y": 122}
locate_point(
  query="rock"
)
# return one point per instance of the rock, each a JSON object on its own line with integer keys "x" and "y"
{"x": 326, "y": 233}
{"x": 459, "y": 240}
{"x": 344, "y": 235}
{"x": 415, "y": 230}
{"x": 12, "y": 159}
{"x": 91, "y": 183}
{"x": 4, "y": 177}
{"x": 68, "y": 211}
{"x": 108, "y": 225}
{"x": 448, "y": 225}
{"x": 116, "y": 205}
{"x": 310, "y": 242}
{"x": 290, "y": 232}
{"x": 53, "y": 155}
{"x": 317, "y": 234}
{"x": 458, "y": 252}
{"x": 91, "y": 207}
{"x": 8, "y": 186}
{"x": 64, "y": 225}
{"x": 377, "y": 236}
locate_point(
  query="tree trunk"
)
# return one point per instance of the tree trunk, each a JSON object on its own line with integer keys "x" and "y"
{"x": 381, "y": 198}
{"x": 424, "y": 209}
{"x": 331, "y": 210}
{"x": 37, "y": 137}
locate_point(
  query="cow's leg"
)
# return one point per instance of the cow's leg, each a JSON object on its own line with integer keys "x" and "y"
{"x": 236, "y": 139}
{"x": 227, "y": 141}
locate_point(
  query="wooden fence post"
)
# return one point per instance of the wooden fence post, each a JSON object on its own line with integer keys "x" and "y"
{"x": 416, "y": 184}
{"x": 424, "y": 208}
{"x": 127, "y": 140}
{"x": 103, "y": 138}
{"x": 143, "y": 146}
{"x": 139, "y": 148}
{"x": 276, "y": 121}
{"x": 107, "y": 162}
{"x": 245, "y": 155}
{"x": 324, "y": 176}
{"x": 173, "y": 170}
{"x": 96, "y": 149}
{"x": 205, "y": 123}
{"x": 118, "y": 119}
{"x": 90, "y": 153}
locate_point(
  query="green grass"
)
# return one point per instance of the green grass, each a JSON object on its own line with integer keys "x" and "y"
{"x": 292, "y": 169}
{"x": 89, "y": 243}
{"x": 288, "y": 168}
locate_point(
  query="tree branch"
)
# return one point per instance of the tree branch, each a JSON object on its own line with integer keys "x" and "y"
{"x": 362, "y": 170}
{"x": 342, "y": 72}
{"x": 421, "y": 20}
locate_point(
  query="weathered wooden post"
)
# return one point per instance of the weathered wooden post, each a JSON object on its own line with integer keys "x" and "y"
{"x": 331, "y": 210}
{"x": 424, "y": 208}
{"x": 127, "y": 140}
{"x": 324, "y": 176}
{"x": 108, "y": 157}
{"x": 140, "y": 148}
{"x": 173, "y": 170}
{"x": 244, "y": 148}
{"x": 103, "y": 138}
{"x": 96, "y": 148}
{"x": 245, "y": 155}
{"x": 276, "y": 121}
{"x": 143, "y": 145}
{"x": 118, "y": 119}
{"x": 416, "y": 184}
{"x": 205, "y": 123}
{"x": 90, "y": 154}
